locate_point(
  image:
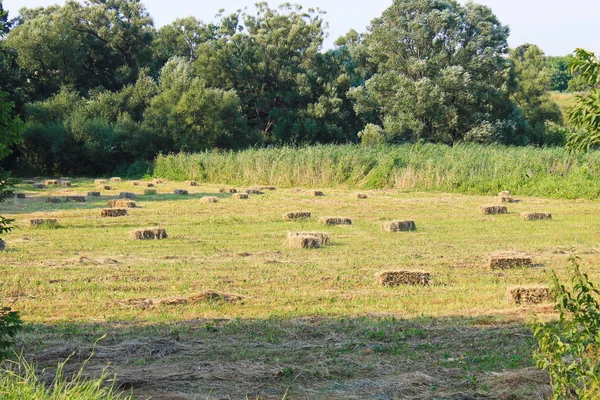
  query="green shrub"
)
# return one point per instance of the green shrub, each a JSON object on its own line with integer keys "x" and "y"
{"x": 570, "y": 348}
{"x": 10, "y": 325}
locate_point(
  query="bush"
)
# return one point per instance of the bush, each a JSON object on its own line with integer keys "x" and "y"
{"x": 10, "y": 325}
{"x": 570, "y": 348}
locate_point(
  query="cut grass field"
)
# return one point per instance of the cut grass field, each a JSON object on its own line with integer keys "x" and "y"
{"x": 222, "y": 308}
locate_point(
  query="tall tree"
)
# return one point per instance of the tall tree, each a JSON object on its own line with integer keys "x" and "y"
{"x": 181, "y": 38}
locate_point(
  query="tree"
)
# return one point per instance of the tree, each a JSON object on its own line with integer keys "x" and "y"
{"x": 181, "y": 38}
{"x": 585, "y": 114}
{"x": 441, "y": 72}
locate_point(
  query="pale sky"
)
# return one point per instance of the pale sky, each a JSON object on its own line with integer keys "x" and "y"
{"x": 557, "y": 26}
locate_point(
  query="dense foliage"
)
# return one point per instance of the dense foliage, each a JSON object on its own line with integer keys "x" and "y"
{"x": 101, "y": 89}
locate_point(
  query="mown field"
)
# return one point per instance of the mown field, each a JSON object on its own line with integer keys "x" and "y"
{"x": 307, "y": 323}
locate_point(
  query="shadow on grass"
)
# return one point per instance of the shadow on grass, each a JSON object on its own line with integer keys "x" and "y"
{"x": 318, "y": 358}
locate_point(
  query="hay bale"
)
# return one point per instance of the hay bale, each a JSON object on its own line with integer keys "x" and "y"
{"x": 322, "y": 236}
{"x": 99, "y": 181}
{"x": 49, "y": 182}
{"x": 136, "y": 183}
{"x": 75, "y": 199}
{"x": 296, "y": 215}
{"x": 303, "y": 242}
{"x": 529, "y": 294}
{"x": 115, "y": 179}
{"x": 316, "y": 193}
{"x": 150, "y": 184}
{"x": 150, "y": 192}
{"x": 191, "y": 183}
{"x": 180, "y": 191}
{"x": 127, "y": 195}
{"x": 361, "y": 196}
{"x": 222, "y": 190}
{"x": 335, "y": 221}
{"x": 39, "y": 185}
{"x": 53, "y": 199}
{"x": 106, "y": 187}
{"x": 506, "y": 261}
{"x": 20, "y": 195}
{"x": 504, "y": 193}
{"x": 43, "y": 221}
{"x": 535, "y": 216}
{"x": 149, "y": 233}
{"x": 2, "y": 245}
{"x": 157, "y": 181}
{"x": 65, "y": 183}
{"x": 121, "y": 203}
{"x": 209, "y": 199}
{"x": 399, "y": 226}
{"x": 113, "y": 212}
{"x": 506, "y": 199}
{"x": 254, "y": 191}
{"x": 395, "y": 278}
{"x": 239, "y": 196}
{"x": 493, "y": 210}
{"x": 271, "y": 188}
{"x": 93, "y": 194}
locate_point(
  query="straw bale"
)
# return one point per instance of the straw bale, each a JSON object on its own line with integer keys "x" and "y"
{"x": 149, "y": 233}
{"x": 113, "y": 212}
{"x": 115, "y": 179}
{"x": 20, "y": 195}
{"x": 136, "y": 183}
{"x": 180, "y": 191}
{"x": 150, "y": 191}
{"x": 65, "y": 183}
{"x": 149, "y": 184}
{"x": 53, "y": 199}
{"x": 254, "y": 191}
{"x": 93, "y": 194}
{"x": 322, "y": 236}
{"x": 535, "y": 216}
{"x": 39, "y": 185}
{"x": 75, "y": 199}
{"x": 127, "y": 195}
{"x": 361, "y": 196}
{"x": 303, "y": 242}
{"x": 504, "y": 193}
{"x": 529, "y": 294}
{"x": 506, "y": 261}
{"x": 506, "y": 199}
{"x": 316, "y": 193}
{"x": 191, "y": 183}
{"x": 43, "y": 221}
{"x": 290, "y": 216}
{"x": 209, "y": 199}
{"x": 335, "y": 220}
{"x": 2, "y": 244}
{"x": 399, "y": 277}
{"x": 99, "y": 181}
{"x": 239, "y": 196}
{"x": 121, "y": 203}
{"x": 268, "y": 188}
{"x": 157, "y": 181}
{"x": 399, "y": 226}
{"x": 493, "y": 210}
{"x": 49, "y": 182}
{"x": 106, "y": 187}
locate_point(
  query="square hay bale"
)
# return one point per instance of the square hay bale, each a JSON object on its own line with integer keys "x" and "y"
{"x": 2, "y": 244}
{"x": 127, "y": 195}
{"x": 191, "y": 183}
{"x": 303, "y": 242}
{"x": 113, "y": 212}
{"x": 149, "y": 233}
{"x": 316, "y": 193}
{"x": 93, "y": 194}
{"x": 529, "y": 294}
{"x": 296, "y": 215}
{"x": 43, "y": 221}
{"x": 209, "y": 199}
{"x": 254, "y": 191}
{"x": 222, "y": 190}
{"x": 20, "y": 195}
{"x": 239, "y": 196}
{"x": 361, "y": 196}
{"x": 322, "y": 236}
{"x": 506, "y": 199}
{"x": 535, "y": 216}
{"x": 399, "y": 277}
{"x": 49, "y": 182}
{"x": 53, "y": 199}
{"x": 157, "y": 181}
{"x": 115, "y": 179}
{"x": 121, "y": 203}
{"x": 271, "y": 188}
{"x": 335, "y": 220}
{"x": 75, "y": 199}
{"x": 399, "y": 226}
{"x": 106, "y": 187}
{"x": 150, "y": 184}
{"x": 507, "y": 261}
{"x": 99, "y": 181}
{"x": 233, "y": 190}
{"x": 493, "y": 210}
{"x": 504, "y": 193}
{"x": 39, "y": 185}
{"x": 136, "y": 183}
{"x": 150, "y": 192}
{"x": 180, "y": 191}
{"x": 65, "y": 183}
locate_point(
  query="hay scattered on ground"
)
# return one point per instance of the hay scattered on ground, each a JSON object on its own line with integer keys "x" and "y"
{"x": 115, "y": 179}
{"x": 127, "y": 195}
{"x": 93, "y": 194}
{"x": 113, "y": 212}
{"x": 395, "y": 278}
{"x": 43, "y": 221}
{"x": 361, "y": 196}
{"x": 136, "y": 183}
{"x": 122, "y": 203}
{"x": 529, "y": 294}
{"x": 535, "y": 216}
{"x": 180, "y": 191}
{"x": 39, "y": 186}
{"x": 209, "y": 199}
{"x": 49, "y": 182}
{"x": 254, "y": 191}
{"x": 239, "y": 196}
{"x": 509, "y": 260}
{"x": 53, "y": 199}
{"x": 208, "y": 295}
{"x": 75, "y": 199}
{"x": 149, "y": 191}
{"x": 99, "y": 181}
{"x": 303, "y": 242}
{"x": 316, "y": 193}
{"x": 191, "y": 183}
{"x": 493, "y": 210}
{"x": 296, "y": 215}
{"x": 335, "y": 220}
{"x": 399, "y": 226}
{"x": 322, "y": 236}
{"x": 149, "y": 233}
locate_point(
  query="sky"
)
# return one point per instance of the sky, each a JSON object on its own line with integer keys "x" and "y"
{"x": 557, "y": 26}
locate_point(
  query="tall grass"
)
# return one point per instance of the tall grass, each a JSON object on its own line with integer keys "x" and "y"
{"x": 468, "y": 168}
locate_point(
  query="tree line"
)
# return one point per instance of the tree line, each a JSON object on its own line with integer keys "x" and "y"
{"x": 101, "y": 89}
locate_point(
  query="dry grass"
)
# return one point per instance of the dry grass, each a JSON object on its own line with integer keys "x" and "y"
{"x": 493, "y": 210}
{"x": 335, "y": 220}
{"x": 127, "y": 195}
{"x": 121, "y": 203}
{"x": 399, "y": 226}
{"x": 239, "y": 196}
{"x": 290, "y": 216}
{"x": 396, "y": 278}
{"x": 113, "y": 212}
{"x": 303, "y": 242}
{"x": 149, "y": 233}
{"x": 536, "y": 216}
{"x": 529, "y": 294}
{"x": 209, "y": 199}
